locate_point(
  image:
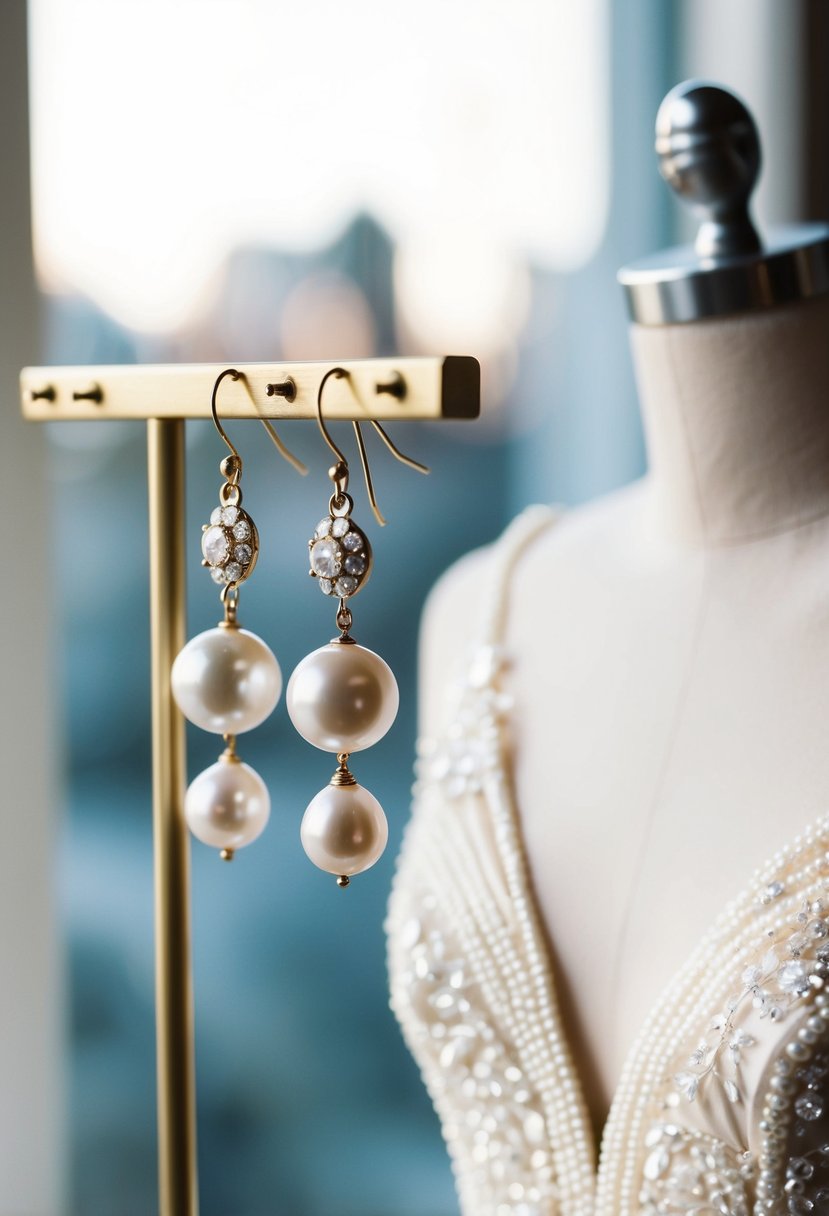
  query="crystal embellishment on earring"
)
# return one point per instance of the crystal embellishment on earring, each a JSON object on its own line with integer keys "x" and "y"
{"x": 340, "y": 555}
{"x": 230, "y": 542}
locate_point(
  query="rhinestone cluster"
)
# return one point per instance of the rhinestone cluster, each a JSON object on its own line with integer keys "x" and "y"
{"x": 340, "y": 556}
{"x": 229, "y": 544}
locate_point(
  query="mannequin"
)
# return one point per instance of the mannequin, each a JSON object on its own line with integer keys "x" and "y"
{"x": 669, "y": 655}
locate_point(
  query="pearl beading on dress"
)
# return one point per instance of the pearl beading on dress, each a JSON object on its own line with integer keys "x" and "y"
{"x": 755, "y": 921}
{"x": 472, "y": 986}
{"x": 794, "y": 1166}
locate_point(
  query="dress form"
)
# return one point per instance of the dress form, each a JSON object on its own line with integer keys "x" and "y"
{"x": 669, "y": 655}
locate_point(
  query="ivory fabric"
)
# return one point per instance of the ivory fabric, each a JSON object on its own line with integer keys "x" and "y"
{"x": 723, "y": 1104}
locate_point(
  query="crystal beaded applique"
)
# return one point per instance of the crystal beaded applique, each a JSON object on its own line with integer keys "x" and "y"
{"x": 229, "y": 545}
{"x": 688, "y": 1172}
{"x": 459, "y": 763}
{"x": 495, "y": 1108}
{"x": 340, "y": 556}
{"x": 794, "y": 1157}
{"x": 782, "y": 1168}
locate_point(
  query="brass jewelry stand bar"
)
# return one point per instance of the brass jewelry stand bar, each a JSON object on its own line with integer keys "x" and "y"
{"x": 378, "y": 389}
{"x": 409, "y": 389}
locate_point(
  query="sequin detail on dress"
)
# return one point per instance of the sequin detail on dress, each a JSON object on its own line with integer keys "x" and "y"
{"x": 495, "y": 1113}
{"x": 458, "y": 764}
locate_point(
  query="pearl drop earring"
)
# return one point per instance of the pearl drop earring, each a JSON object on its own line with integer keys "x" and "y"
{"x": 227, "y": 680}
{"x": 343, "y": 697}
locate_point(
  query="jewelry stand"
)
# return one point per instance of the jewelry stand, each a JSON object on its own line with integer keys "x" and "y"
{"x": 382, "y": 390}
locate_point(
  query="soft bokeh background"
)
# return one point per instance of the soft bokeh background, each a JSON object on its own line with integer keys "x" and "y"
{"x": 233, "y": 180}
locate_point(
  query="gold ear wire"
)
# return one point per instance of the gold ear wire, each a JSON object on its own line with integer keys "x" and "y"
{"x": 234, "y": 375}
{"x": 339, "y": 372}
{"x": 277, "y": 442}
{"x": 395, "y": 451}
{"x": 292, "y": 460}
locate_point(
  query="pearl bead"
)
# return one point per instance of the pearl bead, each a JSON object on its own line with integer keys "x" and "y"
{"x": 344, "y": 830}
{"x": 227, "y": 806}
{"x": 342, "y": 697}
{"x": 226, "y": 680}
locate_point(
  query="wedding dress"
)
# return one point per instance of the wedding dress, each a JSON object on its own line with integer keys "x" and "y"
{"x": 723, "y": 1104}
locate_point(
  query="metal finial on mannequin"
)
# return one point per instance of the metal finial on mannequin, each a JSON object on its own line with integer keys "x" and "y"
{"x": 709, "y": 154}
{"x": 708, "y": 151}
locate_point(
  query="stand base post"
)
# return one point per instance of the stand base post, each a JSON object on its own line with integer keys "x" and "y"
{"x": 178, "y": 1191}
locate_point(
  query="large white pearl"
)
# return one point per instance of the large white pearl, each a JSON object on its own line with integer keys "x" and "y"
{"x": 226, "y": 680}
{"x": 342, "y": 697}
{"x": 228, "y": 805}
{"x": 344, "y": 830}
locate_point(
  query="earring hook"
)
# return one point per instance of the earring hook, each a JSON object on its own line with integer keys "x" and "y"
{"x": 236, "y": 469}
{"x": 234, "y": 375}
{"x": 339, "y": 372}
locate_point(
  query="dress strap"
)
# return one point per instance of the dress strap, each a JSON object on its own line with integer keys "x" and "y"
{"x": 508, "y": 549}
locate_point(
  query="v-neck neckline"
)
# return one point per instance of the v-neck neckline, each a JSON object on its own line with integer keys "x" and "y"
{"x": 594, "y": 1142}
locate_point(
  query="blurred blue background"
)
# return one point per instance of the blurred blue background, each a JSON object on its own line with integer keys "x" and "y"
{"x": 308, "y": 1103}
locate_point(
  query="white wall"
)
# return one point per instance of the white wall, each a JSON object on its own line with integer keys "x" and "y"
{"x": 31, "y": 998}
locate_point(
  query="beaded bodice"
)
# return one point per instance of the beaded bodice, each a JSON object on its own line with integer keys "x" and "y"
{"x": 723, "y": 1105}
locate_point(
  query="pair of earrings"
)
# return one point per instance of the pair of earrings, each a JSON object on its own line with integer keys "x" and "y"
{"x": 342, "y": 698}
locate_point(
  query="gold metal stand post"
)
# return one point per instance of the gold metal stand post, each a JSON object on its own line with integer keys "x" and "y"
{"x": 387, "y": 390}
{"x": 178, "y": 1192}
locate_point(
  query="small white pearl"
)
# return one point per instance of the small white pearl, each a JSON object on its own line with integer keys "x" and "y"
{"x": 344, "y": 830}
{"x": 228, "y": 805}
{"x": 226, "y": 680}
{"x": 342, "y": 697}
